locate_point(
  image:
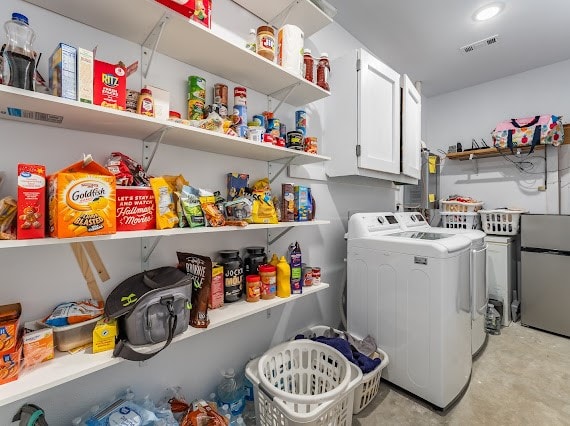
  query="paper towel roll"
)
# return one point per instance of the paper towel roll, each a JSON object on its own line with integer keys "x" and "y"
{"x": 290, "y": 42}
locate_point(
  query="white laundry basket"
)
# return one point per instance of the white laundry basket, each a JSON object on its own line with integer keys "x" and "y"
{"x": 501, "y": 221}
{"x": 468, "y": 220}
{"x": 303, "y": 383}
{"x": 459, "y": 206}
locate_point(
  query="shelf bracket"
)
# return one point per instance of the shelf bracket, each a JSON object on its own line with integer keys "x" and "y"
{"x": 274, "y": 176}
{"x": 151, "y": 43}
{"x": 271, "y": 241}
{"x": 147, "y": 247}
{"x": 475, "y": 163}
{"x": 286, "y": 12}
{"x": 288, "y": 89}
{"x": 148, "y": 154}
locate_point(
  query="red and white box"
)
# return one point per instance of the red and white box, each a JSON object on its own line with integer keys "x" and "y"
{"x": 195, "y": 10}
{"x": 135, "y": 208}
{"x": 109, "y": 85}
{"x": 31, "y": 201}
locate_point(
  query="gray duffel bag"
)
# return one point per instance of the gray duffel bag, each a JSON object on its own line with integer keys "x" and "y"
{"x": 151, "y": 307}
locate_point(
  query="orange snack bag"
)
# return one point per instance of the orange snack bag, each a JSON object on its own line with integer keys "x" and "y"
{"x": 10, "y": 365}
{"x": 9, "y": 327}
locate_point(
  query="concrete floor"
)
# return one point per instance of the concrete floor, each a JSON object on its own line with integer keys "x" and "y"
{"x": 521, "y": 378}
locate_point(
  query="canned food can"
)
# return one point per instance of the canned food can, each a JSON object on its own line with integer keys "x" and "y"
{"x": 220, "y": 94}
{"x": 197, "y": 88}
{"x": 280, "y": 142}
{"x": 301, "y": 121}
{"x": 295, "y": 140}
{"x": 240, "y": 115}
{"x": 307, "y": 276}
{"x": 316, "y": 275}
{"x": 259, "y": 120}
{"x": 282, "y": 130}
{"x": 195, "y": 109}
{"x": 241, "y": 131}
{"x": 310, "y": 144}
{"x": 273, "y": 125}
{"x": 240, "y": 95}
{"x": 268, "y": 138}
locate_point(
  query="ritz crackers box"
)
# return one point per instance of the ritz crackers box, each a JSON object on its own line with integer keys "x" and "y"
{"x": 195, "y": 10}
{"x": 135, "y": 208}
{"x": 31, "y": 201}
{"x": 109, "y": 85}
{"x": 81, "y": 201}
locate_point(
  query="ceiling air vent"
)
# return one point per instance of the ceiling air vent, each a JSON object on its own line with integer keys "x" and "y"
{"x": 479, "y": 44}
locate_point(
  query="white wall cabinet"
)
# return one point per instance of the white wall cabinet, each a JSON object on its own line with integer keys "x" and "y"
{"x": 372, "y": 126}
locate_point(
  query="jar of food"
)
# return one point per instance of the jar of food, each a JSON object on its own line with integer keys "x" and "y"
{"x": 268, "y": 274}
{"x": 316, "y": 275}
{"x": 253, "y": 259}
{"x": 295, "y": 140}
{"x": 307, "y": 272}
{"x": 252, "y": 288}
{"x": 310, "y": 144}
{"x": 175, "y": 115}
{"x": 323, "y": 70}
{"x": 233, "y": 275}
{"x": 266, "y": 42}
{"x": 145, "y": 103}
{"x": 308, "y": 65}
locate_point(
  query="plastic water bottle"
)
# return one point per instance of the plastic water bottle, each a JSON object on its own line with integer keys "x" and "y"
{"x": 492, "y": 320}
{"x": 19, "y": 65}
{"x": 249, "y": 410}
{"x": 230, "y": 393}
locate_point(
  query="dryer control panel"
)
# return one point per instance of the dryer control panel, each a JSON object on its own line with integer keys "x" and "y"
{"x": 368, "y": 224}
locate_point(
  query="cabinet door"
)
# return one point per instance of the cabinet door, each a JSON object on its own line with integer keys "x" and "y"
{"x": 378, "y": 115}
{"x": 411, "y": 129}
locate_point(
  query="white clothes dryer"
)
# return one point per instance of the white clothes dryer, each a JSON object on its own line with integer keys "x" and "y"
{"x": 410, "y": 291}
{"x": 477, "y": 274}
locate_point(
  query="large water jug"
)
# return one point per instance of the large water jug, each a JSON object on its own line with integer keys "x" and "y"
{"x": 19, "y": 65}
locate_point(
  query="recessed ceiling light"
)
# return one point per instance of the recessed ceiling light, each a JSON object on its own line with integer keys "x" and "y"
{"x": 488, "y": 12}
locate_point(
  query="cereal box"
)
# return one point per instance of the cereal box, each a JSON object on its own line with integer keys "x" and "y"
{"x": 302, "y": 203}
{"x": 104, "y": 335}
{"x": 236, "y": 183}
{"x": 109, "y": 85}
{"x": 135, "y": 208}
{"x": 84, "y": 75}
{"x": 82, "y": 201}
{"x": 63, "y": 72}
{"x": 10, "y": 365}
{"x": 216, "y": 299}
{"x": 38, "y": 343}
{"x": 31, "y": 201}
{"x": 196, "y": 10}
{"x": 9, "y": 327}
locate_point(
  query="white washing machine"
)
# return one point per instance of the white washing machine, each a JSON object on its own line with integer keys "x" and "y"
{"x": 410, "y": 291}
{"x": 478, "y": 274}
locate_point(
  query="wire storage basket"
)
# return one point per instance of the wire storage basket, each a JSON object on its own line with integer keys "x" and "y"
{"x": 501, "y": 221}
{"x": 468, "y": 220}
{"x": 303, "y": 383}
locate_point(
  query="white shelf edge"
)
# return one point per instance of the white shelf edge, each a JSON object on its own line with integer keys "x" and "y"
{"x": 66, "y": 367}
{"x": 124, "y": 235}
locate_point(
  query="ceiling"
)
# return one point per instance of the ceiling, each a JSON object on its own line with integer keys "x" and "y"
{"x": 422, "y": 38}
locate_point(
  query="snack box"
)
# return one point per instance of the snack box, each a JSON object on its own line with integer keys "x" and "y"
{"x": 236, "y": 184}
{"x": 68, "y": 337}
{"x": 104, "y": 335}
{"x": 216, "y": 299}
{"x": 302, "y": 203}
{"x": 82, "y": 201}
{"x": 84, "y": 75}
{"x": 10, "y": 364}
{"x": 287, "y": 203}
{"x": 63, "y": 72}
{"x": 135, "y": 208}
{"x": 31, "y": 201}
{"x": 9, "y": 327}
{"x": 196, "y": 10}
{"x": 109, "y": 85}
{"x": 37, "y": 343}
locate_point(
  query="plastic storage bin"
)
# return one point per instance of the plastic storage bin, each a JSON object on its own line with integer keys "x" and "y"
{"x": 303, "y": 383}
{"x": 501, "y": 221}
{"x": 469, "y": 220}
{"x": 460, "y": 207}
{"x": 73, "y": 336}
{"x": 368, "y": 387}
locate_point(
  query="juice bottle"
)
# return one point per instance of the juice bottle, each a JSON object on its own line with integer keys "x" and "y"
{"x": 283, "y": 278}
{"x": 19, "y": 65}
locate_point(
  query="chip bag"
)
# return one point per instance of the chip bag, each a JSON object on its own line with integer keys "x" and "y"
{"x": 166, "y": 217}
{"x": 263, "y": 210}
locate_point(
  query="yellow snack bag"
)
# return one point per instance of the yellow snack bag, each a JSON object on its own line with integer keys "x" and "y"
{"x": 166, "y": 217}
{"x": 263, "y": 210}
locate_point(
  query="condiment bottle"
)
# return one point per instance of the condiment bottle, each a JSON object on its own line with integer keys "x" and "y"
{"x": 19, "y": 65}
{"x": 266, "y": 42}
{"x": 274, "y": 260}
{"x": 251, "y": 40}
{"x": 308, "y": 65}
{"x": 145, "y": 103}
{"x": 283, "y": 278}
{"x": 253, "y": 288}
{"x": 323, "y": 70}
{"x": 268, "y": 274}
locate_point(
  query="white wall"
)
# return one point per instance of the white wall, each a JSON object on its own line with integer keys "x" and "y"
{"x": 473, "y": 113}
{"x": 41, "y": 277}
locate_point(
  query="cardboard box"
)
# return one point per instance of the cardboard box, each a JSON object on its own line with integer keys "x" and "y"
{"x": 82, "y": 201}
{"x": 302, "y": 203}
{"x": 109, "y": 85}
{"x": 217, "y": 290}
{"x": 63, "y": 71}
{"x": 10, "y": 364}
{"x": 135, "y": 208}
{"x": 236, "y": 184}
{"x": 161, "y": 100}
{"x": 85, "y": 75}
{"x": 37, "y": 343}
{"x": 287, "y": 203}
{"x": 31, "y": 201}
{"x": 9, "y": 327}
{"x": 104, "y": 335}
{"x": 195, "y": 10}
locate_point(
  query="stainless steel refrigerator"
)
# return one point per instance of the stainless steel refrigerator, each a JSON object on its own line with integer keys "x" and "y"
{"x": 545, "y": 270}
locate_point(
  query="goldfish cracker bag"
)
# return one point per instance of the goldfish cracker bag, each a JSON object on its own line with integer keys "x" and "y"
{"x": 82, "y": 200}
{"x": 166, "y": 217}
{"x": 263, "y": 210}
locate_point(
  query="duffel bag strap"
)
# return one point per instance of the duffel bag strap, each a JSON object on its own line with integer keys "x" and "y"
{"x": 127, "y": 352}
{"x": 529, "y": 124}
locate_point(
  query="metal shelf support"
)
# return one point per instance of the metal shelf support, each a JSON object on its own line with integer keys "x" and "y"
{"x": 151, "y": 43}
{"x": 289, "y": 90}
{"x": 148, "y": 153}
{"x": 147, "y": 247}
{"x": 271, "y": 241}
{"x": 273, "y": 176}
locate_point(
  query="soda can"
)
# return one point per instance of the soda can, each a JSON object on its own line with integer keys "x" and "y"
{"x": 240, "y": 96}
{"x": 282, "y": 131}
{"x": 259, "y": 120}
{"x": 301, "y": 121}
{"x": 240, "y": 115}
{"x": 220, "y": 94}
{"x": 197, "y": 88}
